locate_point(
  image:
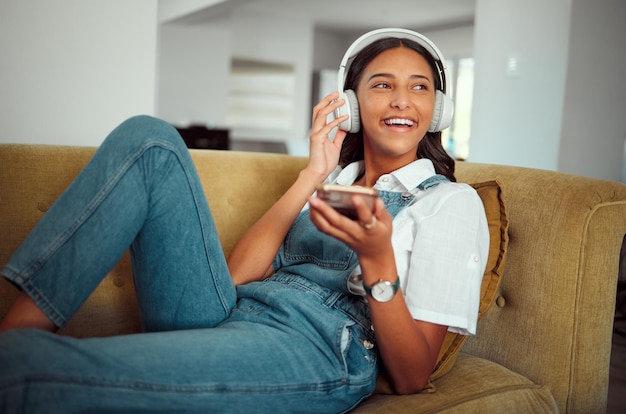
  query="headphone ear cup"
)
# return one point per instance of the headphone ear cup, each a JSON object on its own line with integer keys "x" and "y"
{"x": 350, "y": 108}
{"x": 442, "y": 115}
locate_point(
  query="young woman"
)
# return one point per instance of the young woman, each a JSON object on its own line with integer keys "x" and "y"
{"x": 309, "y": 302}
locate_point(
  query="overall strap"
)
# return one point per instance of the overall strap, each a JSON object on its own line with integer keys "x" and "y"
{"x": 395, "y": 202}
{"x": 432, "y": 181}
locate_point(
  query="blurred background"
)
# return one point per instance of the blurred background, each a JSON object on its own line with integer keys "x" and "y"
{"x": 535, "y": 83}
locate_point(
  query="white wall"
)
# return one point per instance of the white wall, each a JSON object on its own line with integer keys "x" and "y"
{"x": 193, "y": 70}
{"x": 594, "y": 111}
{"x": 454, "y": 42}
{"x": 564, "y": 108}
{"x": 71, "y": 70}
{"x": 329, "y": 48}
{"x": 516, "y": 117}
{"x": 175, "y": 9}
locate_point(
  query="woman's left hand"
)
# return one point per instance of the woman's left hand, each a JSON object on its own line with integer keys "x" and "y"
{"x": 369, "y": 236}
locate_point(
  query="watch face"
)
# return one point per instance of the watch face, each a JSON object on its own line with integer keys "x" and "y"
{"x": 382, "y": 291}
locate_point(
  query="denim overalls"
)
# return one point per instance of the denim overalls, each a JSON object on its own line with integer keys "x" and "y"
{"x": 296, "y": 342}
{"x": 309, "y": 293}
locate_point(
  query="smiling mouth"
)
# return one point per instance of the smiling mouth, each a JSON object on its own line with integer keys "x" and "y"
{"x": 401, "y": 122}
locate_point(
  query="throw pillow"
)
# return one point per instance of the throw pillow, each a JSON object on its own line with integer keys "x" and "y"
{"x": 490, "y": 192}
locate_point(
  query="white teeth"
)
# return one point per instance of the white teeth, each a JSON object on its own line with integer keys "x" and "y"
{"x": 399, "y": 121}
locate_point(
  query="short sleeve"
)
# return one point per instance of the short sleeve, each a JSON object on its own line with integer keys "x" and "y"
{"x": 447, "y": 258}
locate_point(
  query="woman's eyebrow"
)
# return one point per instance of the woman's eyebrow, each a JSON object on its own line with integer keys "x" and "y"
{"x": 390, "y": 75}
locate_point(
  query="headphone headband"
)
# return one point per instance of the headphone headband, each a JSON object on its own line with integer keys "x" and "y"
{"x": 370, "y": 37}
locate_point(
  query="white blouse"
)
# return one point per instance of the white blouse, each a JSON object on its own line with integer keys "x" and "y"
{"x": 440, "y": 242}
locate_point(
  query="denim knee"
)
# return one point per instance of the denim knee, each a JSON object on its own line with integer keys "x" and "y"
{"x": 145, "y": 131}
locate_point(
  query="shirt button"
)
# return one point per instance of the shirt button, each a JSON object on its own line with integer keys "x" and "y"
{"x": 476, "y": 259}
{"x": 406, "y": 195}
{"x": 385, "y": 179}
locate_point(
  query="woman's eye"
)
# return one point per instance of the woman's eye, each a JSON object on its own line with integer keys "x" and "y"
{"x": 420, "y": 87}
{"x": 381, "y": 85}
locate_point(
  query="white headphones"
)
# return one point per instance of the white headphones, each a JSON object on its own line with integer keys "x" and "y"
{"x": 444, "y": 107}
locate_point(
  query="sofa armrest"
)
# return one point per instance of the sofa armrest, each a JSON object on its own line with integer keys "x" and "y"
{"x": 553, "y": 318}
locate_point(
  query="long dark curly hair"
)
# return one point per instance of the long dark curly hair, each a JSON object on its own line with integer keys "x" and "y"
{"x": 430, "y": 146}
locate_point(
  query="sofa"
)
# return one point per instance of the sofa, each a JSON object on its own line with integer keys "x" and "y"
{"x": 544, "y": 337}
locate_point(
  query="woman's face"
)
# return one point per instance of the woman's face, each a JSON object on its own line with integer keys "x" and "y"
{"x": 396, "y": 95}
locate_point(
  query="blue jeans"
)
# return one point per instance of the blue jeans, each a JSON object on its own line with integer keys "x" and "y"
{"x": 286, "y": 344}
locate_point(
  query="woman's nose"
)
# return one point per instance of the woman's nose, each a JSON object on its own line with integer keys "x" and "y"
{"x": 400, "y": 100}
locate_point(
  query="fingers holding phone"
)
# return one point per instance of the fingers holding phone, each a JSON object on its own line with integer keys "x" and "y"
{"x": 363, "y": 223}
{"x": 339, "y": 197}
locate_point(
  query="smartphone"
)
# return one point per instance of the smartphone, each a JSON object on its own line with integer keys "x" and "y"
{"x": 340, "y": 197}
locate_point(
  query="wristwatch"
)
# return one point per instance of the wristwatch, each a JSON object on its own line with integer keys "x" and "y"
{"x": 383, "y": 290}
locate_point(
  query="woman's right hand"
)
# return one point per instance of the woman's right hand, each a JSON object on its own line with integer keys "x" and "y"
{"x": 324, "y": 152}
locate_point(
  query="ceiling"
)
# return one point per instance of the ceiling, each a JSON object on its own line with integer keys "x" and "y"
{"x": 346, "y": 16}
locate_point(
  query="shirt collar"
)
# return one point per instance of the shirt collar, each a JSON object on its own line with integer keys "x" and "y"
{"x": 409, "y": 176}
